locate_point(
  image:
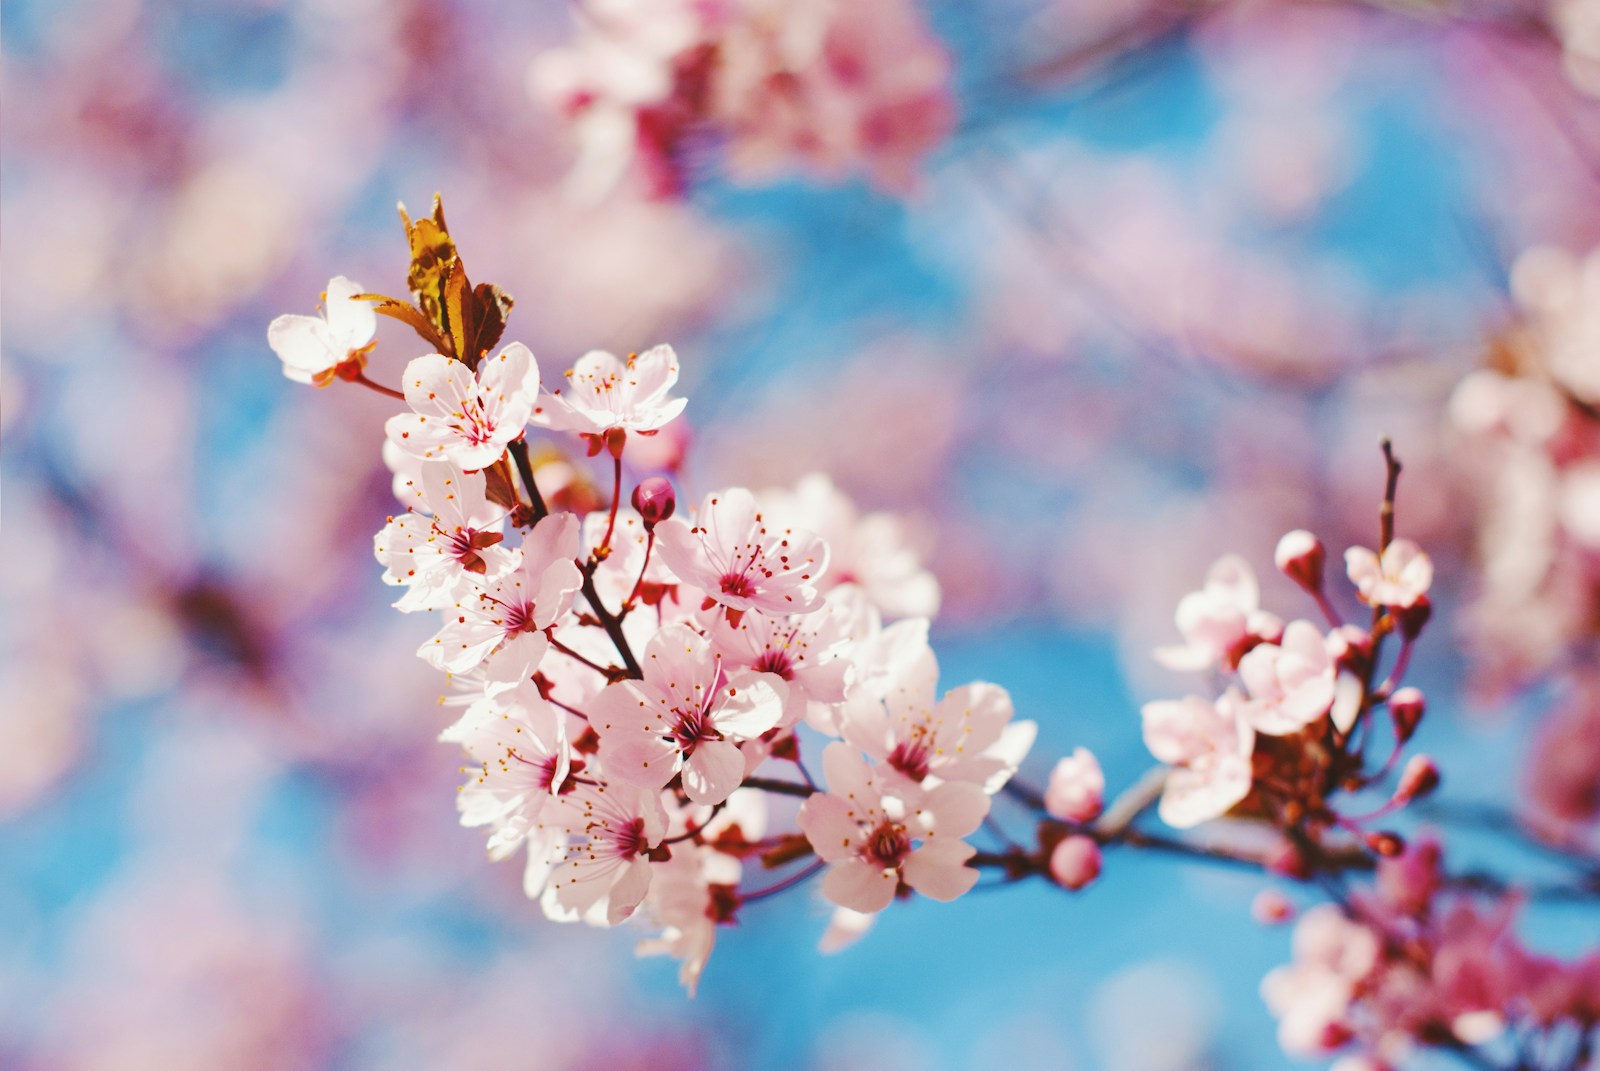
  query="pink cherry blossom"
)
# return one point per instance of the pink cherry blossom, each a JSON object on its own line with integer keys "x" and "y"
{"x": 686, "y": 716}
{"x": 430, "y": 555}
{"x": 1398, "y": 579}
{"x": 596, "y": 866}
{"x": 1312, "y": 997}
{"x": 1209, "y": 746}
{"x": 1221, "y": 621}
{"x": 742, "y": 562}
{"x": 1075, "y": 861}
{"x": 1076, "y": 789}
{"x": 514, "y": 610}
{"x": 809, "y": 651}
{"x": 875, "y": 841}
{"x": 683, "y": 898}
{"x": 313, "y": 347}
{"x": 465, "y": 418}
{"x": 1290, "y": 685}
{"x": 604, "y": 391}
{"x": 519, "y": 745}
{"x": 967, "y": 735}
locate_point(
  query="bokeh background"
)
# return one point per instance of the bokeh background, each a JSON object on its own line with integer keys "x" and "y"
{"x": 1155, "y": 298}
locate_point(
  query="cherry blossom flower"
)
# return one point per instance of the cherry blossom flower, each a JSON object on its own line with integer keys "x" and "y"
{"x": 742, "y": 563}
{"x": 605, "y": 392}
{"x": 1221, "y": 621}
{"x": 597, "y": 867}
{"x": 693, "y": 890}
{"x": 462, "y": 417}
{"x": 1209, "y": 746}
{"x": 519, "y": 743}
{"x": 809, "y": 651}
{"x": 514, "y": 610}
{"x": 1076, "y": 789}
{"x": 313, "y": 347}
{"x": 968, "y": 735}
{"x": 1312, "y": 996}
{"x": 1398, "y": 579}
{"x": 429, "y": 555}
{"x": 875, "y": 841}
{"x": 685, "y": 716}
{"x": 1291, "y": 684}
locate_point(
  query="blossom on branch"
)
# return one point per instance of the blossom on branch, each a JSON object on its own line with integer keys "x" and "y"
{"x": 876, "y": 841}
{"x": 465, "y": 418}
{"x": 313, "y": 348}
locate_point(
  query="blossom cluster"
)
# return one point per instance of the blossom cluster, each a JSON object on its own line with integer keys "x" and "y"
{"x": 1530, "y": 432}
{"x": 833, "y": 86}
{"x": 629, "y": 675}
{"x": 1294, "y": 715}
{"x": 1408, "y": 962}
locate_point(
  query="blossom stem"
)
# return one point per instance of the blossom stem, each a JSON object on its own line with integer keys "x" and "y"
{"x": 616, "y": 500}
{"x": 1391, "y": 484}
{"x": 612, "y": 623}
{"x": 781, "y": 788}
{"x": 649, "y": 545}
{"x": 607, "y": 671}
{"x": 361, "y": 378}
{"x": 519, "y": 454}
{"x": 1402, "y": 662}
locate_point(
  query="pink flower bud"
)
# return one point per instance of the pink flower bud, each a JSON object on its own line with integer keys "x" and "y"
{"x": 1271, "y": 907}
{"x": 1406, "y": 708}
{"x": 1075, "y": 862}
{"x": 1410, "y": 620}
{"x": 1300, "y": 557}
{"x": 1419, "y": 778}
{"x": 1077, "y": 788}
{"x": 655, "y": 501}
{"x": 1288, "y": 861}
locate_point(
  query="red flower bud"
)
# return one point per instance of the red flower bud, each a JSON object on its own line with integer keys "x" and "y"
{"x": 1419, "y": 778}
{"x": 1406, "y": 708}
{"x": 655, "y": 501}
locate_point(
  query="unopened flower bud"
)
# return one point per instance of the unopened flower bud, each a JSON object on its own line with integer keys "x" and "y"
{"x": 1270, "y": 907}
{"x": 1075, "y": 862}
{"x": 655, "y": 501}
{"x": 1077, "y": 788}
{"x": 1300, "y": 557}
{"x": 1410, "y": 620}
{"x": 1419, "y": 778}
{"x": 1406, "y": 708}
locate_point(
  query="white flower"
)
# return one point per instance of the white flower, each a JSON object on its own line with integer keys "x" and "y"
{"x": 604, "y": 392}
{"x": 430, "y": 556}
{"x": 1209, "y": 746}
{"x": 465, "y": 418}
{"x": 313, "y": 347}
{"x": 873, "y": 840}
{"x": 1399, "y": 578}
{"x": 514, "y": 610}
{"x": 741, "y": 561}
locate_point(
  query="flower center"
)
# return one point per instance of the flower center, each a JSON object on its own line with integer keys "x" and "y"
{"x": 737, "y": 584}
{"x": 775, "y": 661}
{"x": 911, "y": 759}
{"x": 888, "y": 846}
{"x": 627, "y": 840}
